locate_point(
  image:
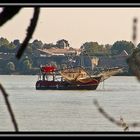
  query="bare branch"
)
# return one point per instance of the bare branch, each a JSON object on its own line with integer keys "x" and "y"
{"x": 134, "y": 37}
{"x": 5, "y": 95}
{"x": 134, "y": 59}
{"x": 119, "y": 123}
{"x": 30, "y": 32}
{"x": 8, "y": 13}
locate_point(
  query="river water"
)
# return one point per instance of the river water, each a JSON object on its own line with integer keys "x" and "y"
{"x": 50, "y": 110}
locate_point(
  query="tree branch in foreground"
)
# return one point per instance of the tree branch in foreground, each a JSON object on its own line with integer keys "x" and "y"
{"x": 119, "y": 123}
{"x": 8, "y": 13}
{"x": 5, "y": 95}
{"x": 30, "y": 32}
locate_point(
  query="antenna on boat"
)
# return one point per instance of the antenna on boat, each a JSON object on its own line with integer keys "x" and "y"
{"x": 103, "y": 84}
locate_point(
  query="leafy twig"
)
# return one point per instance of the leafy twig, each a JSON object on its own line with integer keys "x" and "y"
{"x": 30, "y": 32}
{"x": 5, "y": 95}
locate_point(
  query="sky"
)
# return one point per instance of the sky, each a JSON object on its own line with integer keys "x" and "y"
{"x": 77, "y": 25}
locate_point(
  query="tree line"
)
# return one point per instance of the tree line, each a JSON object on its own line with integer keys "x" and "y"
{"x": 28, "y": 65}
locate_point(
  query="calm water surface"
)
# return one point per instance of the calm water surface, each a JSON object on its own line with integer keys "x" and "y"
{"x": 69, "y": 110}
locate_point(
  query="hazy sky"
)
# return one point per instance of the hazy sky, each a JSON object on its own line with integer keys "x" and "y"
{"x": 77, "y": 25}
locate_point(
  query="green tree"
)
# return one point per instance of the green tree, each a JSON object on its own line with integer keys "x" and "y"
{"x": 48, "y": 46}
{"x": 6, "y": 47}
{"x": 16, "y": 42}
{"x": 10, "y": 67}
{"x": 62, "y": 44}
{"x": 119, "y": 46}
{"x": 4, "y": 43}
{"x": 92, "y": 48}
{"x": 11, "y": 47}
{"x": 36, "y": 44}
{"x": 107, "y": 48}
{"x": 27, "y": 64}
{"x": 29, "y": 49}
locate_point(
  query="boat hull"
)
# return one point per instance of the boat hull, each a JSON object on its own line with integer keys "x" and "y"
{"x": 57, "y": 85}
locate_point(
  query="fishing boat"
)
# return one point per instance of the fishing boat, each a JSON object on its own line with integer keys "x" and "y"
{"x": 70, "y": 79}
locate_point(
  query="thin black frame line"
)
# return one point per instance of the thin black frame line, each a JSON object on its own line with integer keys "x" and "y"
{"x": 70, "y": 4}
